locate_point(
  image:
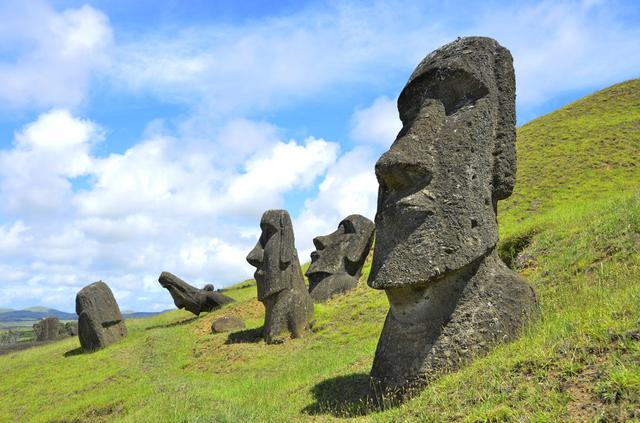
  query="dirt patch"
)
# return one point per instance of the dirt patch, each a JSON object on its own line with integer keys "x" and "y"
{"x": 246, "y": 310}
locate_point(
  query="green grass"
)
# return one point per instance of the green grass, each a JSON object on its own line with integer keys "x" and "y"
{"x": 579, "y": 245}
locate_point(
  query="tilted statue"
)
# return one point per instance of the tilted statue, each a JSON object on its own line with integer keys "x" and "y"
{"x": 451, "y": 297}
{"x": 191, "y": 298}
{"x": 281, "y": 288}
{"x": 337, "y": 261}
{"x": 100, "y": 322}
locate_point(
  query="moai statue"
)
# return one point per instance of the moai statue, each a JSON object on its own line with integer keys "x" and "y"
{"x": 100, "y": 322}
{"x": 191, "y": 298}
{"x": 49, "y": 329}
{"x": 338, "y": 259}
{"x": 281, "y": 288}
{"x": 451, "y": 297}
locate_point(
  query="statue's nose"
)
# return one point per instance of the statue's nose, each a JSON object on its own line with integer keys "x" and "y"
{"x": 320, "y": 242}
{"x": 255, "y": 256}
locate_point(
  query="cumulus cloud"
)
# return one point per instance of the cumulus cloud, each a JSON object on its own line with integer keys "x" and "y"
{"x": 34, "y": 175}
{"x": 156, "y": 206}
{"x": 377, "y": 124}
{"x": 288, "y": 166}
{"x": 55, "y": 53}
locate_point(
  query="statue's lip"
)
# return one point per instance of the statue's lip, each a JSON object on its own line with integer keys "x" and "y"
{"x": 315, "y": 255}
{"x": 318, "y": 272}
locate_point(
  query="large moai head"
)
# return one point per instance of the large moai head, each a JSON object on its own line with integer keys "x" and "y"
{"x": 191, "y": 298}
{"x": 274, "y": 256}
{"x": 454, "y": 158}
{"x": 100, "y": 322}
{"x": 339, "y": 256}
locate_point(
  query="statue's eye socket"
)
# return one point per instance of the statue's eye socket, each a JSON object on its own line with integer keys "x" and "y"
{"x": 267, "y": 232}
{"x": 403, "y": 177}
{"x": 454, "y": 88}
{"x": 347, "y": 227}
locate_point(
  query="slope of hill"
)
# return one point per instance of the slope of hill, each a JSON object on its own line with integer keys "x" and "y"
{"x": 584, "y": 151}
{"x": 572, "y": 228}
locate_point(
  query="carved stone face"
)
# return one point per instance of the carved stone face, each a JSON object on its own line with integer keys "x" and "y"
{"x": 452, "y": 161}
{"x": 273, "y": 254}
{"x": 341, "y": 252}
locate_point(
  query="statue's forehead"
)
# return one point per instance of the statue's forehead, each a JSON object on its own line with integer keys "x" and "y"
{"x": 474, "y": 57}
{"x": 270, "y": 221}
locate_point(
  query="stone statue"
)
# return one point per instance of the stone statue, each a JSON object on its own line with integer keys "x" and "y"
{"x": 100, "y": 322}
{"x": 281, "y": 288}
{"x": 451, "y": 297}
{"x": 338, "y": 259}
{"x": 49, "y": 329}
{"x": 190, "y": 298}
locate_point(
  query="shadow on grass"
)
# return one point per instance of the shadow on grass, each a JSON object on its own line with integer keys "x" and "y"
{"x": 246, "y": 336}
{"x": 75, "y": 351}
{"x": 342, "y": 396}
{"x": 173, "y": 324}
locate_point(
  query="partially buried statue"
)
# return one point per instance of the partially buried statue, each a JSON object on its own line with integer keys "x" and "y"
{"x": 451, "y": 297}
{"x": 191, "y": 298}
{"x": 338, "y": 259}
{"x": 100, "y": 322}
{"x": 49, "y": 329}
{"x": 281, "y": 288}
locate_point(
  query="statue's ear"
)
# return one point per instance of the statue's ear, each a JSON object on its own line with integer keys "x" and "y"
{"x": 504, "y": 153}
{"x": 286, "y": 239}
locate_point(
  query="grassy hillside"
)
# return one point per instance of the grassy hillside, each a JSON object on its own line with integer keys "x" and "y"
{"x": 577, "y": 240}
{"x": 585, "y": 151}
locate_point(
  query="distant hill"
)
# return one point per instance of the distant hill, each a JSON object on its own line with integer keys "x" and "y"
{"x": 39, "y": 309}
{"x": 4, "y": 310}
{"x": 27, "y": 317}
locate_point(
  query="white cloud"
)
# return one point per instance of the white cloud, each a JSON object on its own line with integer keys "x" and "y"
{"x": 560, "y": 46}
{"x": 268, "y": 63}
{"x": 377, "y": 124}
{"x": 56, "y": 53}
{"x": 157, "y": 206}
{"x": 266, "y": 179}
{"x": 34, "y": 174}
{"x": 349, "y": 187}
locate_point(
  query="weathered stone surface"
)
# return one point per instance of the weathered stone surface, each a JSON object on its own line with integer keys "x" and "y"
{"x": 227, "y": 324}
{"x": 450, "y": 296}
{"x": 100, "y": 322}
{"x": 337, "y": 261}
{"x": 49, "y": 329}
{"x": 71, "y": 328}
{"x": 191, "y": 298}
{"x": 281, "y": 288}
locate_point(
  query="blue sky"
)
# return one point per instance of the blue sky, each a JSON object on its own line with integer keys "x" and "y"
{"x": 137, "y": 137}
